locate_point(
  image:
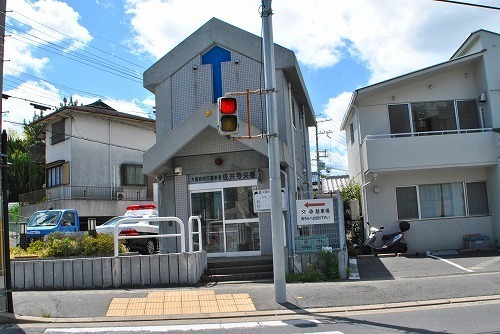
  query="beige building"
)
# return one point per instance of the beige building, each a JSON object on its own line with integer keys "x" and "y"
{"x": 425, "y": 147}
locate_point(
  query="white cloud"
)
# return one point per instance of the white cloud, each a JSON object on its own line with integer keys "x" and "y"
{"x": 391, "y": 37}
{"x": 330, "y": 137}
{"x": 18, "y": 110}
{"x": 26, "y": 34}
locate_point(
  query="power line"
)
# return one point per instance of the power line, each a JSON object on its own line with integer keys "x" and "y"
{"x": 83, "y": 43}
{"x": 82, "y": 138}
{"x": 70, "y": 90}
{"x": 469, "y": 4}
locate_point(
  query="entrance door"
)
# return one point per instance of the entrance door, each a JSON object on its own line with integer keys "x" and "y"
{"x": 208, "y": 205}
{"x": 229, "y": 225}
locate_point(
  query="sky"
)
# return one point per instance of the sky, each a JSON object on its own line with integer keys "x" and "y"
{"x": 99, "y": 49}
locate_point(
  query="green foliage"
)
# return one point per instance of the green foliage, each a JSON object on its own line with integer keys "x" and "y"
{"x": 25, "y": 157}
{"x": 72, "y": 244}
{"x": 326, "y": 269}
{"x": 353, "y": 229}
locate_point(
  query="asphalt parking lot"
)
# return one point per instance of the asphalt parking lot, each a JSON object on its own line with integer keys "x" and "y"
{"x": 430, "y": 265}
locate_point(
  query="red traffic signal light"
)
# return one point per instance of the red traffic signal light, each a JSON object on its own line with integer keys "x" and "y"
{"x": 228, "y": 115}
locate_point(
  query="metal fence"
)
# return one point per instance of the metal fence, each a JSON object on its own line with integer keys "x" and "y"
{"x": 312, "y": 238}
{"x": 86, "y": 192}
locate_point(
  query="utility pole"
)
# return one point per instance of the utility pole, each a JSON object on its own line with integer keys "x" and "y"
{"x": 4, "y": 206}
{"x": 274, "y": 154}
{"x": 320, "y": 192}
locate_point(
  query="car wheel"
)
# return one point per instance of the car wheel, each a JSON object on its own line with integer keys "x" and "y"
{"x": 150, "y": 246}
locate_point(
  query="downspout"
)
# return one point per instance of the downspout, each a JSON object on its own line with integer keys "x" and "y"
{"x": 293, "y": 141}
{"x": 306, "y": 150}
{"x": 292, "y": 206}
{"x": 364, "y": 205}
{"x": 290, "y": 234}
{"x": 111, "y": 167}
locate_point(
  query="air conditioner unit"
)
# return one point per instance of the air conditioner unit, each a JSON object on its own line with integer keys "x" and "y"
{"x": 119, "y": 195}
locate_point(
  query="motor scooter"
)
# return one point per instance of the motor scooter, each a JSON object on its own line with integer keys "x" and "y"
{"x": 393, "y": 243}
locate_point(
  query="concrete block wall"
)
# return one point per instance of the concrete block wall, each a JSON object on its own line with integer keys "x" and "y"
{"x": 106, "y": 272}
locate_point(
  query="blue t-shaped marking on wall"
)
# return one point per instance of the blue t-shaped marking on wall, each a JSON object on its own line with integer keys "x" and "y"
{"x": 216, "y": 56}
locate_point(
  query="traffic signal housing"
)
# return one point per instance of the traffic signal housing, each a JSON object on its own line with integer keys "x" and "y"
{"x": 228, "y": 122}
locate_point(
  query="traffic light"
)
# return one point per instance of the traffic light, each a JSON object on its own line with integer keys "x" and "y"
{"x": 228, "y": 115}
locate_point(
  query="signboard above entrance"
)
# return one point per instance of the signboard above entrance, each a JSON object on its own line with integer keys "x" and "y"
{"x": 315, "y": 211}
{"x": 223, "y": 176}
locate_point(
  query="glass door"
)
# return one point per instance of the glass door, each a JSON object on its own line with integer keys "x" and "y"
{"x": 241, "y": 222}
{"x": 228, "y": 222}
{"x": 208, "y": 205}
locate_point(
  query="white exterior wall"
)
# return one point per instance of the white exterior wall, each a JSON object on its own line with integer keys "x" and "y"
{"x": 61, "y": 150}
{"x": 95, "y": 163}
{"x": 426, "y": 234}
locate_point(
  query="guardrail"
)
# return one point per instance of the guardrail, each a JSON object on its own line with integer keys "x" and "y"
{"x": 117, "y": 236}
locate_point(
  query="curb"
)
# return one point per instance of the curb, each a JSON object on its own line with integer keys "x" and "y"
{"x": 19, "y": 319}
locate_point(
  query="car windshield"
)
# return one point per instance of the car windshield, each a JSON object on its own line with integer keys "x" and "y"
{"x": 44, "y": 218}
{"x": 113, "y": 221}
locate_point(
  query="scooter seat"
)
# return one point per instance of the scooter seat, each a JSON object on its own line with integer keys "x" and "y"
{"x": 389, "y": 236}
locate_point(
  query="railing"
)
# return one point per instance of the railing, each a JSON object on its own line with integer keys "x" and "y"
{"x": 86, "y": 192}
{"x": 427, "y": 133}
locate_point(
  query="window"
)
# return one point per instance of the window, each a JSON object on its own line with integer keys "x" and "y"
{"x": 238, "y": 203}
{"x": 407, "y": 202}
{"x": 57, "y": 174}
{"x": 467, "y": 114}
{"x": 399, "y": 118}
{"x": 442, "y": 200}
{"x": 477, "y": 198}
{"x": 58, "y": 132}
{"x": 433, "y": 116}
{"x": 54, "y": 176}
{"x": 132, "y": 175}
{"x": 351, "y": 131}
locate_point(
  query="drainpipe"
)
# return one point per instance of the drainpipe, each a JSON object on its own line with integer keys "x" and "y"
{"x": 296, "y": 176}
{"x": 306, "y": 151}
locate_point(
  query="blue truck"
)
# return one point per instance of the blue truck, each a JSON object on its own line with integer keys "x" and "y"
{"x": 45, "y": 222}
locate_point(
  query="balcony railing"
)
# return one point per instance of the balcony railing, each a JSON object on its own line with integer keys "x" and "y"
{"x": 428, "y": 133}
{"x": 86, "y": 193}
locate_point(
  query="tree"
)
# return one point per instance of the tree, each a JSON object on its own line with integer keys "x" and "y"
{"x": 353, "y": 228}
{"x": 26, "y": 157}
{"x": 67, "y": 103}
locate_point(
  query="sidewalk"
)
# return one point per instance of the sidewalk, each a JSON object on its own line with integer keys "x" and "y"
{"x": 240, "y": 299}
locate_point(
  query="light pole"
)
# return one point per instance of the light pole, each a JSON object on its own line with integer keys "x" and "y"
{"x": 273, "y": 153}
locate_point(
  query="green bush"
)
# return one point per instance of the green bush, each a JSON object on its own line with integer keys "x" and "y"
{"x": 327, "y": 269}
{"x": 71, "y": 244}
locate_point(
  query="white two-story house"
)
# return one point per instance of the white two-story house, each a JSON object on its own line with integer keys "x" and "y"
{"x": 93, "y": 162}
{"x": 425, "y": 147}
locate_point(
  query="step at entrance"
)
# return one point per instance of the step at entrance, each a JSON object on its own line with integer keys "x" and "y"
{"x": 238, "y": 269}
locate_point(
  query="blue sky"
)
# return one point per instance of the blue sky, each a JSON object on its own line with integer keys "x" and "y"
{"x": 340, "y": 45}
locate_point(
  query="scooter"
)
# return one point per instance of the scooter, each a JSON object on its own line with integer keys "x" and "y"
{"x": 393, "y": 243}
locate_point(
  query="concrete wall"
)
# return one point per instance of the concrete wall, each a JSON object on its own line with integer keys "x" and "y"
{"x": 108, "y": 272}
{"x": 426, "y": 234}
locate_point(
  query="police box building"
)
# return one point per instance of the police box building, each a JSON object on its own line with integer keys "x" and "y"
{"x": 217, "y": 176}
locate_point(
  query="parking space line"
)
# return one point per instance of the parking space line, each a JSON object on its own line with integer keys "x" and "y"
{"x": 449, "y": 262}
{"x": 486, "y": 263}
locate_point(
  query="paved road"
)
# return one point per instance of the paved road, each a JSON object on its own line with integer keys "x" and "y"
{"x": 383, "y": 280}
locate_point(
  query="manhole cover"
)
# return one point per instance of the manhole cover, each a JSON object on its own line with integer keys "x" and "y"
{"x": 360, "y": 288}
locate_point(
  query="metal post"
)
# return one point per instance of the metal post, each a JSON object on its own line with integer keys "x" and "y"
{"x": 273, "y": 153}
